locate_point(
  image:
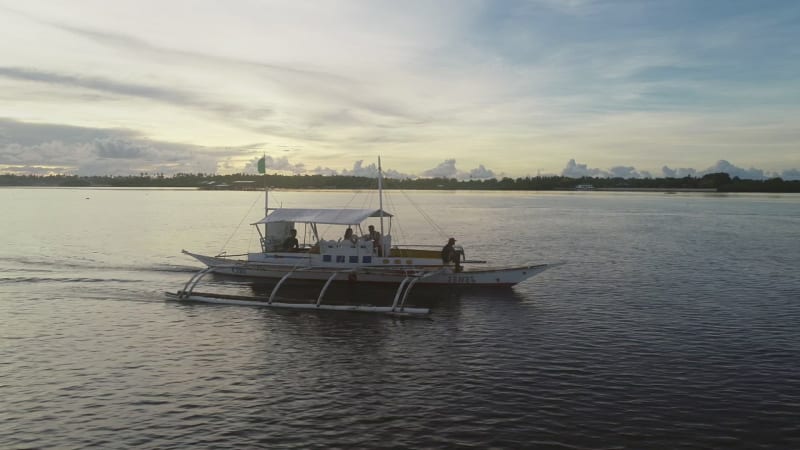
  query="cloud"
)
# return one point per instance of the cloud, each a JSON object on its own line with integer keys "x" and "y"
{"x": 734, "y": 171}
{"x": 371, "y": 171}
{"x": 445, "y": 169}
{"x": 448, "y": 169}
{"x": 575, "y": 170}
{"x": 300, "y": 100}
{"x": 232, "y": 113}
{"x": 325, "y": 171}
{"x": 791, "y": 174}
{"x": 627, "y": 172}
{"x": 46, "y": 148}
{"x": 51, "y": 148}
{"x": 99, "y": 84}
{"x": 455, "y": 75}
{"x": 481, "y": 173}
{"x": 682, "y": 172}
{"x": 282, "y": 164}
{"x": 272, "y": 165}
{"x": 359, "y": 170}
{"x": 35, "y": 170}
{"x": 720, "y": 166}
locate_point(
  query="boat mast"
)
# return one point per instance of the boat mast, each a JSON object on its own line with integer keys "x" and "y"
{"x": 266, "y": 205}
{"x": 380, "y": 192}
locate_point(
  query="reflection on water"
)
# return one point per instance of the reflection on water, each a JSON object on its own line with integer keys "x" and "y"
{"x": 438, "y": 297}
{"x": 673, "y": 325}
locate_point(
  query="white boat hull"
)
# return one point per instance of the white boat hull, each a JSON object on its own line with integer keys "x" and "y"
{"x": 433, "y": 275}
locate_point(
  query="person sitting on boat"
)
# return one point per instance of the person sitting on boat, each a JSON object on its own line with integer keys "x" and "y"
{"x": 348, "y": 235}
{"x": 450, "y": 254}
{"x": 290, "y": 244}
{"x": 375, "y": 237}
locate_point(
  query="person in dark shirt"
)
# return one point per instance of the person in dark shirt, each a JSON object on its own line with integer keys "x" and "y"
{"x": 290, "y": 244}
{"x": 450, "y": 254}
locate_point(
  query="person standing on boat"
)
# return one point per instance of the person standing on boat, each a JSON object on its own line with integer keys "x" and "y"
{"x": 375, "y": 237}
{"x": 290, "y": 244}
{"x": 450, "y": 254}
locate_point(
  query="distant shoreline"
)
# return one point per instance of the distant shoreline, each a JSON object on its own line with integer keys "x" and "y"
{"x": 665, "y": 190}
{"x": 716, "y": 182}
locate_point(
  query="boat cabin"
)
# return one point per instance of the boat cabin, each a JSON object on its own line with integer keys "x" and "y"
{"x": 316, "y": 223}
{"x": 318, "y": 248}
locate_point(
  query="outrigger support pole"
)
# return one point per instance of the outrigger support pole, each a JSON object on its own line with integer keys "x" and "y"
{"x": 399, "y": 291}
{"x": 190, "y": 285}
{"x": 277, "y": 286}
{"x": 328, "y": 283}
{"x": 408, "y": 290}
{"x": 414, "y": 279}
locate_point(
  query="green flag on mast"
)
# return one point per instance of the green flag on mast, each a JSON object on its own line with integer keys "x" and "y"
{"x": 262, "y": 165}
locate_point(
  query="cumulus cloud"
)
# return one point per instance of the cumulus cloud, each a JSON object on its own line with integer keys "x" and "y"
{"x": 791, "y": 174}
{"x": 576, "y": 170}
{"x": 46, "y": 148}
{"x": 735, "y": 171}
{"x": 481, "y": 173}
{"x": 624, "y": 172}
{"x": 325, "y": 171}
{"x": 371, "y": 171}
{"x": 448, "y": 169}
{"x": 720, "y": 166}
{"x": 35, "y": 148}
{"x": 445, "y": 169}
{"x": 360, "y": 170}
{"x": 682, "y": 172}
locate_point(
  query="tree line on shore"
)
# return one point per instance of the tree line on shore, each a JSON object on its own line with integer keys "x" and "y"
{"x": 721, "y": 182}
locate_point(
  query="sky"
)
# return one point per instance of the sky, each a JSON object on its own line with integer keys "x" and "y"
{"x": 461, "y": 88}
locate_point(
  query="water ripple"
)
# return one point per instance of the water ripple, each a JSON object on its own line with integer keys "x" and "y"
{"x": 671, "y": 327}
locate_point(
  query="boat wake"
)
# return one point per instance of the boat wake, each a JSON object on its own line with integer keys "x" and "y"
{"x": 51, "y": 265}
{"x": 9, "y": 280}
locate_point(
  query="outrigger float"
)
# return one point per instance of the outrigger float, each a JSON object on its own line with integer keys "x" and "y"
{"x": 363, "y": 258}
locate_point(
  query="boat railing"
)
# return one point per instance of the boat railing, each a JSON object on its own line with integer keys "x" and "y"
{"x": 226, "y": 255}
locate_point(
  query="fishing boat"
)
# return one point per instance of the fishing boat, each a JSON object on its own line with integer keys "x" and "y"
{"x": 367, "y": 256}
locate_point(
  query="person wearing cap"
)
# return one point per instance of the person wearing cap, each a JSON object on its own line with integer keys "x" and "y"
{"x": 450, "y": 254}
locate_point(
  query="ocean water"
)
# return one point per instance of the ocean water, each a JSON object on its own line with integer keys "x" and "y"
{"x": 674, "y": 323}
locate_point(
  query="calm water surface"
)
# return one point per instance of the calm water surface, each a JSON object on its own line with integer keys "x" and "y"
{"x": 673, "y": 324}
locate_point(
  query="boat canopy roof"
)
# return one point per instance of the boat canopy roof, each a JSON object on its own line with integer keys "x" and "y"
{"x": 326, "y": 216}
